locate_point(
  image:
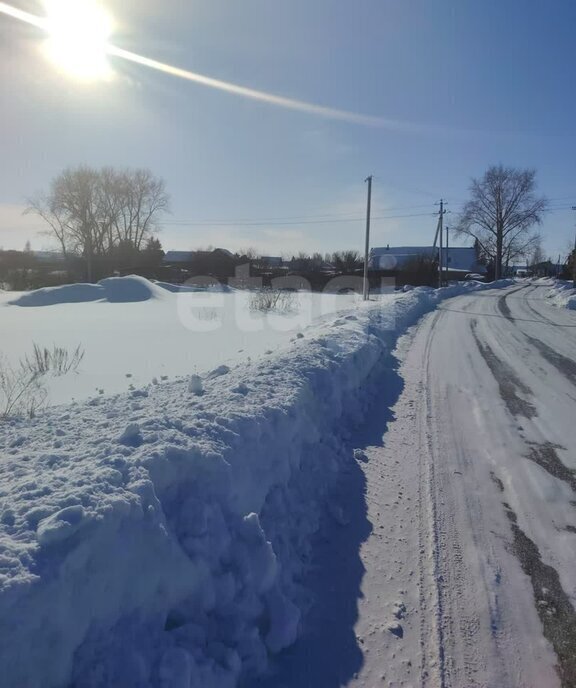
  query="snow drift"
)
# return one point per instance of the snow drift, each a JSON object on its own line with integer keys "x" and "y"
{"x": 112, "y": 289}
{"x": 160, "y": 538}
{"x": 562, "y": 293}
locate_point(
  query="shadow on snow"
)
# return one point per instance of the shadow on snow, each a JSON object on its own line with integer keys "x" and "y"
{"x": 328, "y": 653}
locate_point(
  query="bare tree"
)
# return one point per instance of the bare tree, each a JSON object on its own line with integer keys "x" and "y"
{"x": 94, "y": 212}
{"x": 53, "y": 214}
{"x": 74, "y": 206}
{"x": 500, "y": 214}
{"x": 134, "y": 200}
{"x": 521, "y": 247}
{"x": 250, "y": 252}
{"x": 301, "y": 262}
{"x": 317, "y": 261}
{"x": 346, "y": 261}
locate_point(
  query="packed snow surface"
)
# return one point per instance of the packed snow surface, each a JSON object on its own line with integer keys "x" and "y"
{"x": 159, "y": 538}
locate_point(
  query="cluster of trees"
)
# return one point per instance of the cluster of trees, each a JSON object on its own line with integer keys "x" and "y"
{"x": 106, "y": 217}
{"x": 341, "y": 261}
{"x": 16, "y": 268}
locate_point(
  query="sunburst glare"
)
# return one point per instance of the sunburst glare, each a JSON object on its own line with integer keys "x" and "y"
{"x": 78, "y": 34}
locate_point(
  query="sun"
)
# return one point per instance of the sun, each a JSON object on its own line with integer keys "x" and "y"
{"x": 78, "y": 34}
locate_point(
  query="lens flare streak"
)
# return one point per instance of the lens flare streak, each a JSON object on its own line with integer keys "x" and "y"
{"x": 32, "y": 19}
{"x": 234, "y": 89}
{"x": 253, "y": 94}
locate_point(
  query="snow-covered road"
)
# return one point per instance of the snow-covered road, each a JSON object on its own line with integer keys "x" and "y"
{"x": 467, "y": 533}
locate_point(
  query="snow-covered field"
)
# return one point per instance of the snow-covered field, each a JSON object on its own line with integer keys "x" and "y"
{"x": 135, "y": 333}
{"x": 160, "y": 537}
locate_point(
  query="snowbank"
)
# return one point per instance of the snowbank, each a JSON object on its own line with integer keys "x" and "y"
{"x": 562, "y": 293}
{"x": 112, "y": 289}
{"x": 158, "y": 538}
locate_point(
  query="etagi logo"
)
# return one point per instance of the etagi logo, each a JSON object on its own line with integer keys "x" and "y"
{"x": 289, "y": 303}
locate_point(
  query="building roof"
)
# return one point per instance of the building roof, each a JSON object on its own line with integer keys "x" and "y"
{"x": 178, "y": 256}
{"x": 455, "y": 258}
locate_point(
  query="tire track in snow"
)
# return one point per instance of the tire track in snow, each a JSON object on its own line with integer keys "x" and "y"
{"x": 503, "y": 306}
{"x": 541, "y": 316}
{"x": 553, "y": 605}
{"x": 460, "y": 616}
{"x": 554, "y": 608}
{"x": 509, "y": 383}
{"x": 545, "y": 454}
{"x": 456, "y": 622}
{"x": 566, "y": 366}
{"x": 546, "y": 457}
{"x": 429, "y": 544}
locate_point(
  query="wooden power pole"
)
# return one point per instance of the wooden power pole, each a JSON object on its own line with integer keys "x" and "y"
{"x": 441, "y": 241}
{"x": 447, "y": 252}
{"x": 366, "y": 290}
{"x": 574, "y": 258}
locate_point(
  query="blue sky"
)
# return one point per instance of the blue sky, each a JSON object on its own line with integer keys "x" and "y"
{"x": 470, "y": 84}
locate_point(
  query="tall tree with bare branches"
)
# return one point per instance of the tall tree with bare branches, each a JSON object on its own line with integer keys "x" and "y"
{"x": 135, "y": 199}
{"x": 501, "y": 213}
{"x": 94, "y": 212}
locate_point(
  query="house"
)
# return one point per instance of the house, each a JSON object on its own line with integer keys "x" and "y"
{"x": 455, "y": 259}
{"x": 178, "y": 257}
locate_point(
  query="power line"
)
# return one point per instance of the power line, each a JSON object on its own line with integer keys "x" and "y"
{"x": 256, "y": 223}
{"x": 294, "y": 220}
{"x": 405, "y": 207}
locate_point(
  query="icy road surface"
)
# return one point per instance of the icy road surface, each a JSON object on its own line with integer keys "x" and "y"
{"x": 467, "y": 533}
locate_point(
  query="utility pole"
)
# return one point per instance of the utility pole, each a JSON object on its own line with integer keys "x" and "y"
{"x": 447, "y": 252}
{"x": 366, "y": 289}
{"x": 574, "y": 258}
{"x": 441, "y": 235}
